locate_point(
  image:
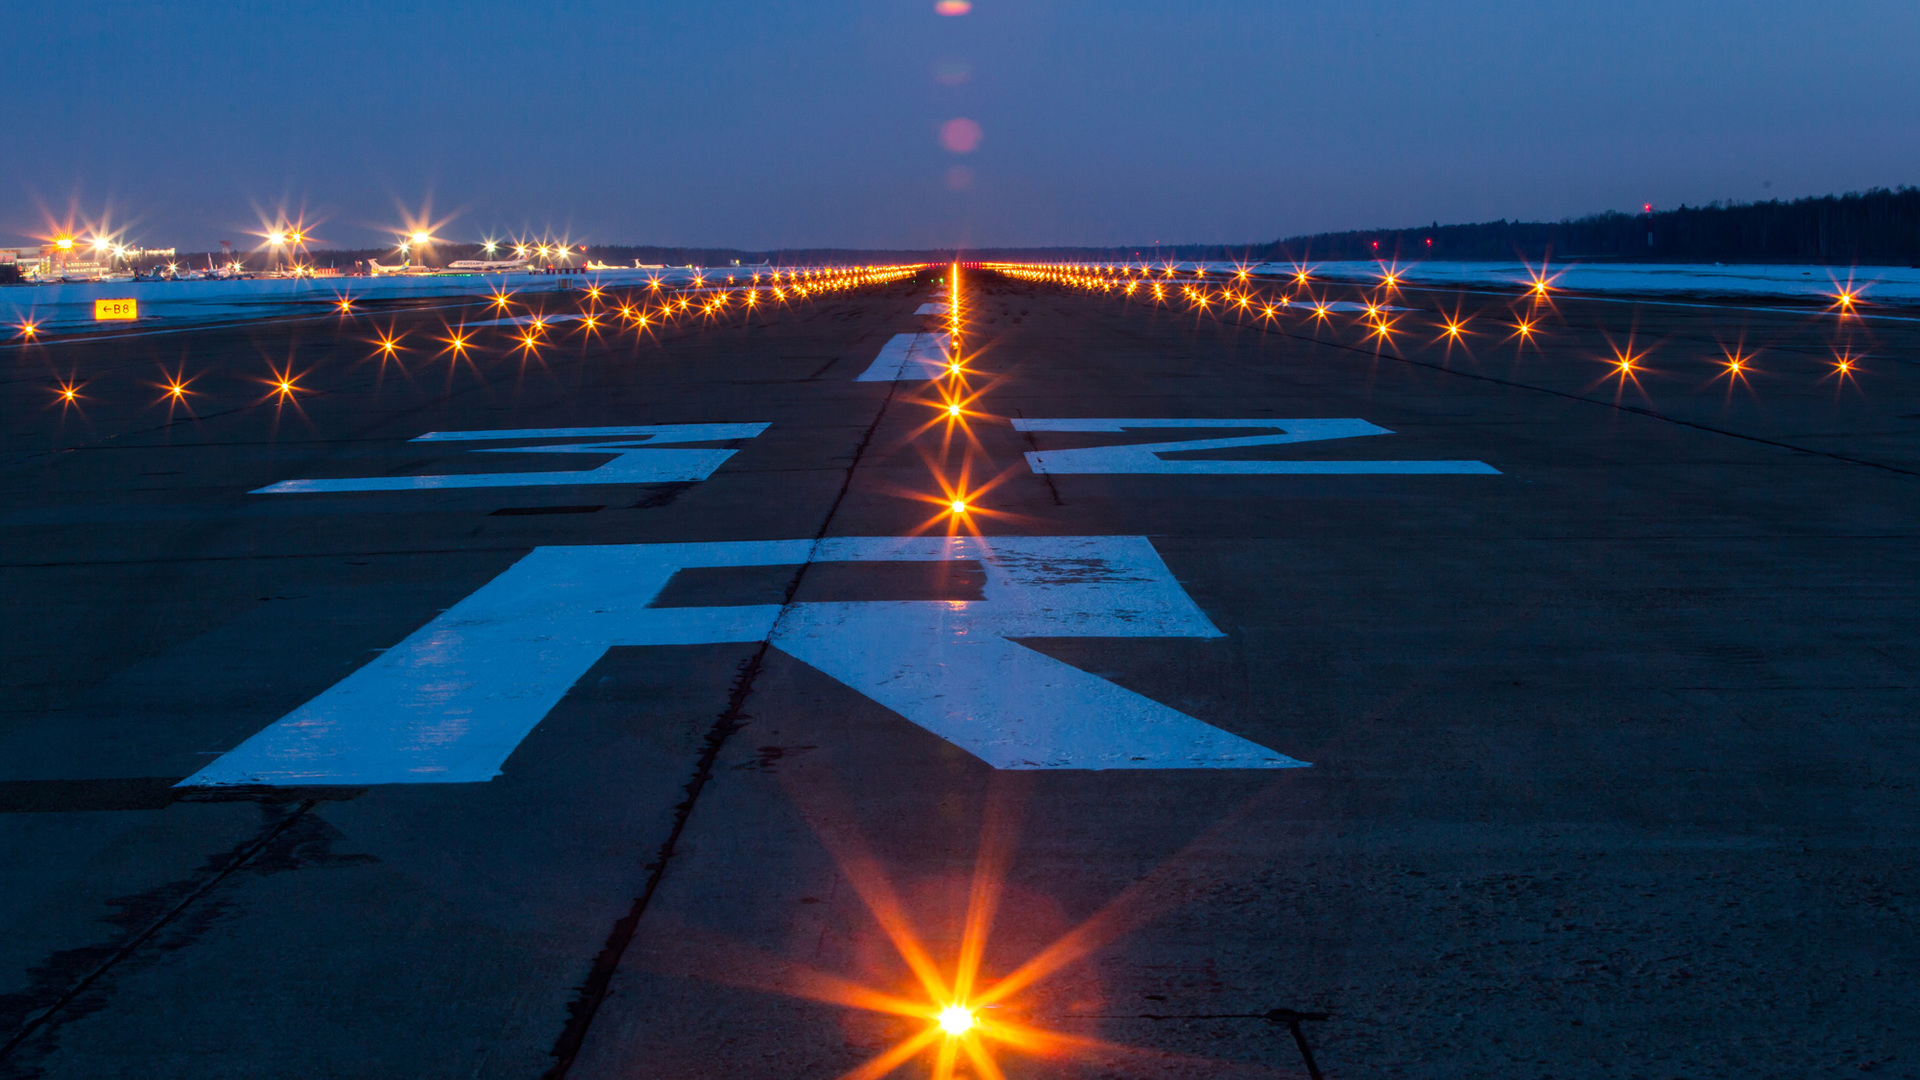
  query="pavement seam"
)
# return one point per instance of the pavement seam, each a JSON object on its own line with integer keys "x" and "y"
{"x": 144, "y": 936}
{"x": 593, "y": 991}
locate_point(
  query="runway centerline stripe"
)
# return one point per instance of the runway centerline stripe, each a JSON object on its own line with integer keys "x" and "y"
{"x": 909, "y": 356}
{"x": 451, "y": 702}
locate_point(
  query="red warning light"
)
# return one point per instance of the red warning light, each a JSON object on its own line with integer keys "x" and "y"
{"x": 1647, "y": 209}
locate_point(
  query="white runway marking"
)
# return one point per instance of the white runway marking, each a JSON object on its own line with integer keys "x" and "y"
{"x": 636, "y": 448}
{"x": 909, "y": 356}
{"x": 1145, "y": 457}
{"x": 1338, "y": 305}
{"x": 931, "y": 309}
{"x": 452, "y": 701}
{"x": 528, "y": 320}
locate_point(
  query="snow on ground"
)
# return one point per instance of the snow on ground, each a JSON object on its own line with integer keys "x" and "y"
{"x": 1875, "y": 284}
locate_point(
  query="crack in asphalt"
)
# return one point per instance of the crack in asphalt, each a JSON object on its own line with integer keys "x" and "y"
{"x": 242, "y": 857}
{"x": 592, "y": 992}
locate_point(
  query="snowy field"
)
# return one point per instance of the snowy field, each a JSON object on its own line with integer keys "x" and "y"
{"x": 1892, "y": 285}
{"x": 70, "y": 306}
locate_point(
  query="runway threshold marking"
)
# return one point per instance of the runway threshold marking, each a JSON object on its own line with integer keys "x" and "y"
{"x": 1145, "y": 457}
{"x": 639, "y": 457}
{"x": 932, "y": 309}
{"x": 451, "y": 702}
{"x": 909, "y": 356}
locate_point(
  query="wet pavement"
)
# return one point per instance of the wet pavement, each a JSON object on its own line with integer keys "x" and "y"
{"x": 1521, "y": 714}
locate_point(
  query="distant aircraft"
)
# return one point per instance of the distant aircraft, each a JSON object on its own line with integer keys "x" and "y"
{"x": 374, "y": 268}
{"x": 489, "y": 266}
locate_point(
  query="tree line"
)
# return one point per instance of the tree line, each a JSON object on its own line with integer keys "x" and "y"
{"x": 1880, "y": 226}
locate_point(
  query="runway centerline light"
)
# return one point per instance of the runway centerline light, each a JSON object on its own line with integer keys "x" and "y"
{"x": 957, "y": 1020}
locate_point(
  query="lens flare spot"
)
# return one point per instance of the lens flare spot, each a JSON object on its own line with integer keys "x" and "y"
{"x": 960, "y": 135}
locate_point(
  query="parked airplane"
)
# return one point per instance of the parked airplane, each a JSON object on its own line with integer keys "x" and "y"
{"x": 374, "y": 268}
{"x": 489, "y": 266}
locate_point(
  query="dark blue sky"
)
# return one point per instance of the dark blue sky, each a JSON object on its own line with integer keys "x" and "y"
{"x": 709, "y": 122}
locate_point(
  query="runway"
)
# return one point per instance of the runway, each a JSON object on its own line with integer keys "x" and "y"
{"x": 727, "y": 696}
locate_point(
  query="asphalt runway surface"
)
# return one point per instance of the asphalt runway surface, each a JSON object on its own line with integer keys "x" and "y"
{"x": 1584, "y": 752}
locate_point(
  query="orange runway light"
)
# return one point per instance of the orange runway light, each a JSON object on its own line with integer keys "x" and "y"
{"x": 69, "y": 392}
{"x": 957, "y": 1020}
{"x": 29, "y": 329}
{"x": 1625, "y": 361}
